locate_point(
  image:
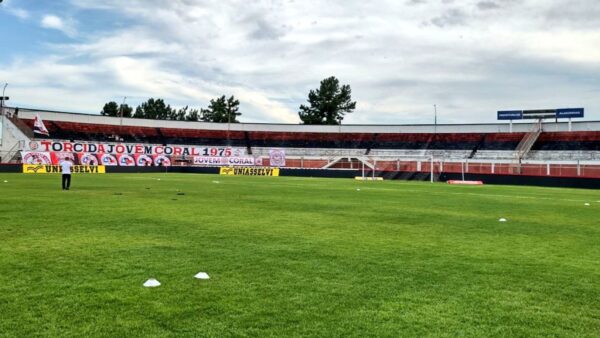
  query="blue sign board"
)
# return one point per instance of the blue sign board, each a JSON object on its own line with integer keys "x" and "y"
{"x": 510, "y": 115}
{"x": 563, "y": 113}
{"x": 569, "y": 113}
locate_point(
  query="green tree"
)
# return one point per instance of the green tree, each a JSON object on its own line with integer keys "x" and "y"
{"x": 193, "y": 115}
{"x": 221, "y": 110}
{"x": 110, "y": 109}
{"x": 154, "y": 109}
{"x": 113, "y": 109}
{"x": 179, "y": 115}
{"x": 186, "y": 114}
{"x": 126, "y": 110}
{"x": 328, "y": 104}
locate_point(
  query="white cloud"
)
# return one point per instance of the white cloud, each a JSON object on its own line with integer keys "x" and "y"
{"x": 55, "y": 22}
{"x": 470, "y": 58}
{"x": 18, "y": 12}
{"x": 52, "y": 21}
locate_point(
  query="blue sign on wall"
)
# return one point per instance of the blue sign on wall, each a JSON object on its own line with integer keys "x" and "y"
{"x": 569, "y": 113}
{"x": 510, "y": 115}
{"x": 563, "y": 113}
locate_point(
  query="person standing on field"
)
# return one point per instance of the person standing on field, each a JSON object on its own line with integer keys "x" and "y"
{"x": 66, "y": 173}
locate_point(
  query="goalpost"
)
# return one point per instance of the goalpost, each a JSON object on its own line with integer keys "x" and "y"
{"x": 373, "y": 167}
{"x": 365, "y": 176}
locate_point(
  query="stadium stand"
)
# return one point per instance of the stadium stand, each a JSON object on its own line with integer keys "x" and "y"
{"x": 476, "y": 145}
{"x": 487, "y": 148}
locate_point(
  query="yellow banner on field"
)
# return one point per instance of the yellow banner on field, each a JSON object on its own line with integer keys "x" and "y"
{"x": 56, "y": 169}
{"x": 360, "y": 178}
{"x": 249, "y": 171}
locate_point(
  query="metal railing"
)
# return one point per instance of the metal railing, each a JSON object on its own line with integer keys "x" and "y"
{"x": 528, "y": 141}
{"x": 13, "y": 154}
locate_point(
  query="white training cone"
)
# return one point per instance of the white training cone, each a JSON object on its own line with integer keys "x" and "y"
{"x": 502, "y": 220}
{"x": 5, "y": 181}
{"x": 357, "y": 189}
{"x": 216, "y": 182}
{"x": 201, "y": 275}
{"x": 152, "y": 283}
{"x": 587, "y": 204}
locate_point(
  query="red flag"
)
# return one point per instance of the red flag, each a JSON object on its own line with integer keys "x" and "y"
{"x": 39, "y": 127}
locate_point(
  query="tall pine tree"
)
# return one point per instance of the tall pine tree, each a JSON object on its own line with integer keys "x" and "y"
{"x": 221, "y": 110}
{"x": 328, "y": 104}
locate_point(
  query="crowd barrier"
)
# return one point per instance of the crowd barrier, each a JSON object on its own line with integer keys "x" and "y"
{"x": 542, "y": 169}
{"x": 407, "y": 173}
{"x": 490, "y": 168}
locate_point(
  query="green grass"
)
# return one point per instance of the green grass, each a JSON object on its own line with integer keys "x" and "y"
{"x": 295, "y": 257}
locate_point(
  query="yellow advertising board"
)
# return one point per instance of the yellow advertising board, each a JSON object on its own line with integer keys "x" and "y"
{"x": 55, "y": 169}
{"x": 360, "y": 178}
{"x": 248, "y": 171}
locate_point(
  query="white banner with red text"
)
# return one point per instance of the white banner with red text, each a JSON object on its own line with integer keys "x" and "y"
{"x": 133, "y": 149}
{"x": 136, "y": 160}
{"x": 52, "y": 152}
{"x": 89, "y": 159}
{"x": 230, "y": 161}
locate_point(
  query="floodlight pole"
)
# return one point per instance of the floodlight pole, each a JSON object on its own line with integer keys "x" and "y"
{"x": 121, "y": 111}
{"x": 2, "y": 112}
{"x": 121, "y": 115}
{"x": 435, "y": 118}
{"x": 118, "y": 138}
{"x": 2, "y": 99}
{"x": 228, "y": 126}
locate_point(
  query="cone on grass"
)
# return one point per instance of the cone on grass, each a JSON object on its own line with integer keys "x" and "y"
{"x": 201, "y": 275}
{"x": 151, "y": 283}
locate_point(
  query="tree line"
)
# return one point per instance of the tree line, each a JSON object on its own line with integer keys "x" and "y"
{"x": 220, "y": 110}
{"x": 327, "y": 104}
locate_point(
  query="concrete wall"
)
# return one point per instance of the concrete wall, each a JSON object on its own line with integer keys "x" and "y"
{"x": 443, "y": 128}
{"x": 11, "y": 136}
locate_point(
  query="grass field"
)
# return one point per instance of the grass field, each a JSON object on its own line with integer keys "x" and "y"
{"x": 295, "y": 257}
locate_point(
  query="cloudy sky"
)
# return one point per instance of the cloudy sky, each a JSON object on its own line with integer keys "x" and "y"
{"x": 470, "y": 57}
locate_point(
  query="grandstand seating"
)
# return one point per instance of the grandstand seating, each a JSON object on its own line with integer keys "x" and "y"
{"x": 550, "y": 145}
{"x": 98, "y": 132}
{"x": 562, "y": 155}
{"x": 501, "y": 141}
{"x": 407, "y": 150}
{"x": 587, "y": 141}
{"x": 203, "y": 137}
